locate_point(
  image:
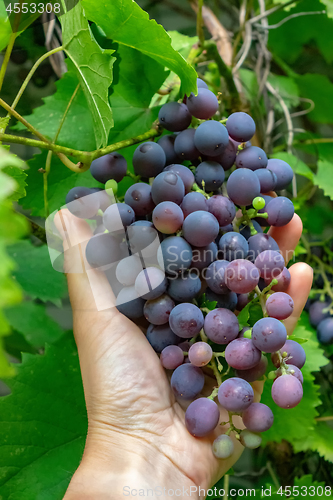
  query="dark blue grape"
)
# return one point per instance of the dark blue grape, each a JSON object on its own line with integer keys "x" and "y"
{"x": 138, "y": 196}
{"x": 110, "y": 166}
{"x": 270, "y": 264}
{"x": 184, "y": 173}
{"x": 280, "y": 211}
{"x": 318, "y": 311}
{"x": 151, "y": 283}
{"x": 201, "y": 417}
{"x": 184, "y": 145}
{"x": 284, "y": 173}
{"x": 174, "y": 116}
{"x": 187, "y": 381}
{"x": 209, "y": 175}
{"x": 243, "y": 186}
{"x": 175, "y": 255}
{"x": 186, "y": 320}
{"x": 168, "y": 186}
{"x": 203, "y": 256}
{"x": 148, "y": 159}
{"x": 204, "y": 105}
{"x": 157, "y": 311}
{"x": 222, "y": 208}
{"x": 241, "y": 126}
{"x": 167, "y": 143}
{"x": 269, "y": 334}
{"x": 193, "y": 202}
{"x": 252, "y": 158}
{"x": 295, "y": 354}
{"x": 185, "y": 287}
{"x": 325, "y": 331}
{"x": 200, "y": 228}
{"x": 233, "y": 246}
{"x": 211, "y": 138}
{"x": 82, "y": 202}
{"x": 235, "y": 394}
{"x": 201, "y": 84}
{"x": 267, "y": 179}
{"x": 221, "y": 326}
{"x": 259, "y": 243}
{"x": 102, "y": 250}
{"x": 168, "y": 217}
{"x": 161, "y": 336}
{"x": 129, "y": 303}
{"x": 227, "y": 157}
{"x": 117, "y": 217}
{"x": 226, "y": 300}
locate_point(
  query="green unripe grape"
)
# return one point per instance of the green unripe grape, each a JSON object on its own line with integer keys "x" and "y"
{"x": 248, "y": 334}
{"x": 111, "y": 185}
{"x": 223, "y": 447}
{"x": 250, "y": 439}
{"x": 258, "y": 203}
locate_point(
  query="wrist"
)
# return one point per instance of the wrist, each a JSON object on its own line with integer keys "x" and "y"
{"x": 118, "y": 466}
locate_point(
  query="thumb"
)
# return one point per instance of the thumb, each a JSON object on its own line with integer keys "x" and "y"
{"x": 89, "y": 289}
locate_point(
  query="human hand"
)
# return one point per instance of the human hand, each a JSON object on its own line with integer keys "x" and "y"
{"x": 136, "y": 433}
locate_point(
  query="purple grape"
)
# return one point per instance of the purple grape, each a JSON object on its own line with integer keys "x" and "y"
{"x": 102, "y": 250}
{"x": 129, "y": 303}
{"x": 201, "y": 84}
{"x": 280, "y": 211}
{"x": 148, "y": 159}
{"x": 226, "y": 300}
{"x": 287, "y": 391}
{"x": 103, "y": 198}
{"x": 267, "y": 179}
{"x": 167, "y": 143}
{"x": 200, "y": 228}
{"x": 174, "y": 116}
{"x": 168, "y": 217}
{"x": 325, "y": 331}
{"x": 250, "y": 439}
{"x": 284, "y": 173}
{"x": 241, "y": 276}
{"x": 269, "y": 334}
{"x": 184, "y": 288}
{"x": 138, "y": 196}
{"x": 294, "y": 351}
{"x": 221, "y": 326}
{"x": 258, "y": 417}
{"x": 151, "y": 283}
{"x": 175, "y": 255}
{"x": 117, "y": 217}
{"x": 241, "y": 126}
{"x": 243, "y": 186}
{"x": 186, "y": 320}
{"x": 279, "y": 305}
{"x": 215, "y": 278}
{"x": 184, "y": 145}
{"x": 107, "y": 167}
{"x": 157, "y": 311}
{"x": 193, "y": 202}
{"x": 184, "y": 173}
{"x": 233, "y": 246}
{"x": 204, "y": 105}
{"x": 242, "y": 354}
{"x": 255, "y": 373}
{"x": 292, "y": 370}
{"x": 128, "y": 269}
{"x": 187, "y": 381}
{"x": 211, "y": 138}
{"x": 270, "y": 263}
{"x": 159, "y": 337}
{"x": 235, "y": 394}
{"x": 318, "y": 311}
{"x": 251, "y": 158}
{"x": 167, "y": 186}
{"x": 225, "y": 229}
{"x": 242, "y": 301}
{"x": 140, "y": 237}
{"x": 283, "y": 281}
{"x": 200, "y": 354}
{"x": 228, "y": 156}
{"x": 171, "y": 357}
{"x": 223, "y": 447}
{"x": 82, "y": 202}
{"x": 222, "y": 208}
{"x": 259, "y": 243}
{"x": 204, "y": 256}
{"x": 201, "y": 417}
{"x": 209, "y": 175}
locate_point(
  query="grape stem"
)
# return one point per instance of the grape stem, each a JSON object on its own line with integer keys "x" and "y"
{"x": 136, "y": 178}
{"x": 213, "y": 394}
{"x": 226, "y": 487}
{"x": 196, "y": 188}
{"x": 216, "y": 372}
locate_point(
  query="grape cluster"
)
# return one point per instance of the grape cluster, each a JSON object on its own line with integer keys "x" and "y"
{"x": 186, "y": 250}
{"x": 321, "y": 318}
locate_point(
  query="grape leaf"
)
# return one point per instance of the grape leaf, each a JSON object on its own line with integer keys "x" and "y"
{"x": 5, "y": 27}
{"x": 126, "y": 23}
{"x": 20, "y": 176}
{"x": 33, "y": 322}
{"x": 35, "y": 274}
{"x": 319, "y": 89}
{"x": 323, "y": 178}
{"x": 288, "y": 90}
{"x": 298, "y": 166}
{"x": 43, "y": 425}
{"x": 182, "y": 43}
{"x": 305, "y": 412}
{"x": 94, "y": 68}
{"x": 319, "y": 440}
{"x": 243, "y": 316}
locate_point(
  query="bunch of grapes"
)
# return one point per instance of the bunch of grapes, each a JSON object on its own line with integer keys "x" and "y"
{"x": 188, "y": 250}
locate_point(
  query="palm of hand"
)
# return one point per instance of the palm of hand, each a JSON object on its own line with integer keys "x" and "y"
{"x": 127, "y": 391}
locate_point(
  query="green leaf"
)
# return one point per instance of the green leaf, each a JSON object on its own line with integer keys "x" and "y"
{"x": 243, "y": 316}
{"x": 297, "y": 339}
{"x": 298, "y": 166}
{"x": 35, "y": 274}
{"x": 319, "y": 440}
{"x": 19, "y": 176}
{"x": 305, "y": 412}
{"x": 288, "y": 90}
{"x": 77, "y": 131}
{"x": 256, "y": 313}
{"x": 126, "y": 23}
{"x": 182, "y": 43}
{"x": 94, "y": 68}
{"x": 329, "y": 7}
{"x": 319, "y": 89}
{"x": 5, "y": 27}
{"x": 33, "y": 322}
{"x": 43, "y": 425}
{"x": 324, "y": 179}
